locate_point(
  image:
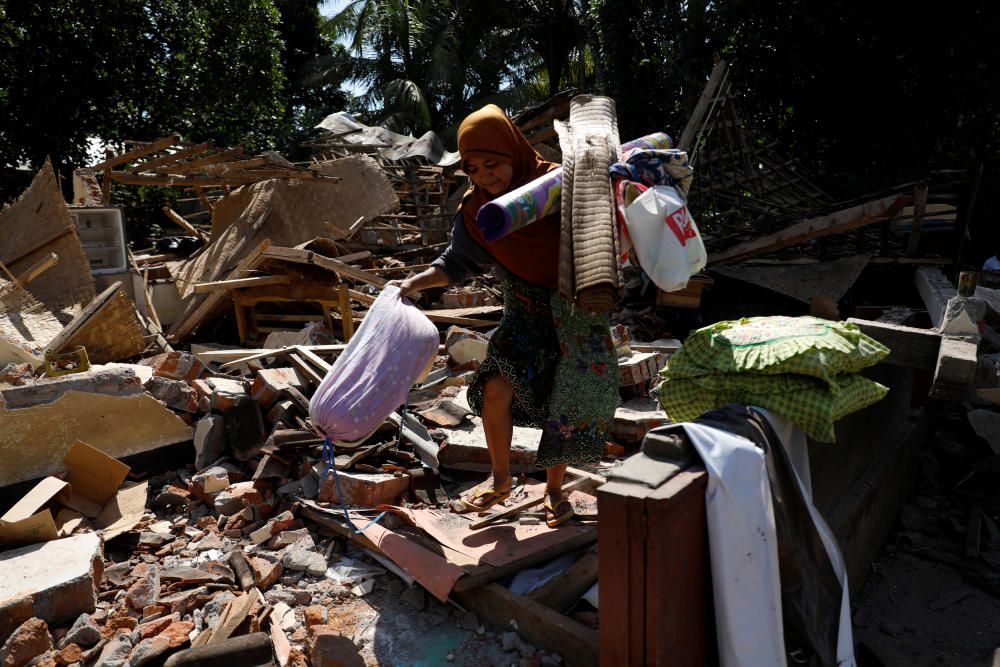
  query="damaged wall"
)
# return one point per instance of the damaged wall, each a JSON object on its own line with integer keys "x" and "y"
{"x": 121, "y": 422}
{"x": 39, "y": 223}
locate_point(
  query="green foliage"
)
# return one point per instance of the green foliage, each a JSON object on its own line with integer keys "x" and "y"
{"x": 233, "y": 73}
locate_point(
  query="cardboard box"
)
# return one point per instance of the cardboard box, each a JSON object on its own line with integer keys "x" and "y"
{"x": 91, "y": 488}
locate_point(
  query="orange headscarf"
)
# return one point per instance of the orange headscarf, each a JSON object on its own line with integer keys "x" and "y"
{"x": 530, "y": 253}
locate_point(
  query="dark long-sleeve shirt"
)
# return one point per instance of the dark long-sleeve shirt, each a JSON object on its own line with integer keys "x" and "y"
{"x": 465, "y": 258}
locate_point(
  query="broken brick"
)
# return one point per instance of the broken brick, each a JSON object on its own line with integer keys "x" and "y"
{"x": 176, "y": 366}
{"x": 366, "y": 489}
{"x": 269, "y": 384}
{"x": 30, "y": 640}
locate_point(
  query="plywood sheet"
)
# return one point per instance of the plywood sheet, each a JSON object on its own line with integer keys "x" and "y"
{"x": 803, "y": 281}
{"x": 34, "y": 440}
{"x": 39, "y": 223}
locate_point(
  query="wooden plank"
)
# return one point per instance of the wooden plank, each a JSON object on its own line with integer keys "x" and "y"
{"x": 919, "y": 208}
{"x": 307, "y": 354}
{"x": 480, "y": 575}
{"x": 305, "y": 369}
{"x": 839, "y": 221}
{"x": 193, "y": 165}
{"x": 460, "y": 321}
{"x": 152, "y": 147}
{"x": 176, "y": 218}
{"x": 181, "y": 154}
{"x": 346, "y": 315}
{"x": 236, "y": 357}
{"x": 537, "y": 623}
{"x": 698, "y": 115}
{"x": 300, "y": 256}
{"x": 36, "y": 269}
{"x": 394, "y": 269}
{"x": 211, "y": 301}
{"x": 237, "y": 283}
{"x": 908, "y": 346}
{"x": 355, "y": 257}
{"x": 127, "y": 178}
{"x": 563, "y": 590}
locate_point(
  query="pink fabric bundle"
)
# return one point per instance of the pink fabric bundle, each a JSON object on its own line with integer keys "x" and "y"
{"x": 373, "y": 375}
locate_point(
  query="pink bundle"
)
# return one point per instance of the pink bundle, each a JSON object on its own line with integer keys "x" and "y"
{"x": 373, "y": 375}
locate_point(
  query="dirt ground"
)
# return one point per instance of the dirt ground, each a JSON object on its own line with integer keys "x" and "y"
{"x": 933, "y": 594}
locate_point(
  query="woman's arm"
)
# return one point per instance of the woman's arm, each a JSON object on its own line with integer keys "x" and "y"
{"x": 426, "y": 279}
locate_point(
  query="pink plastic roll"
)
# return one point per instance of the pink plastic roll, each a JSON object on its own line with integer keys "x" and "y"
{"x": 542, "y": 196}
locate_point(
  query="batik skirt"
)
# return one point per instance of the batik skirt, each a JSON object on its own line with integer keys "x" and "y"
{"x": 561, "y": 364}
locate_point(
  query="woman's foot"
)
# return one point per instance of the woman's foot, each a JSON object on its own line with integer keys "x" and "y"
{"x": 482, "y": 497}
{"x": 558, "y": 510}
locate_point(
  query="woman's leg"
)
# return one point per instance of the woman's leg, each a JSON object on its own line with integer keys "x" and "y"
{"x": 498, "y": 425}
{"x": 554, "y": 480}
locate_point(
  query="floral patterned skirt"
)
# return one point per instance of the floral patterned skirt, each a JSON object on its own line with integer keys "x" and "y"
{"x": 561, "y": 364}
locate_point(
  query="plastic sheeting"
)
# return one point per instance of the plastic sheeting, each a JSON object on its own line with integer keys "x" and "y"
{"x": 373, "y": 375}
{"x": 743, "y": 549}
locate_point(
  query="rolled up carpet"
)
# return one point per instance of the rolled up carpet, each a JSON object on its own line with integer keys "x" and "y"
{"x": 542, "y": 196}
{"x": 591, "y": 142}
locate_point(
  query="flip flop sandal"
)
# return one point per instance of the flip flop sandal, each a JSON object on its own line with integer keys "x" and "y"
{"x": 491, "y": 495}
{"x": 560, "y": 514}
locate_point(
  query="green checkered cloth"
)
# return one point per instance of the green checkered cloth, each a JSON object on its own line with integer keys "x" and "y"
{"x": 777, "y": 345}
{"x": 814, "y": 404}
{"x": 801, "y": 368}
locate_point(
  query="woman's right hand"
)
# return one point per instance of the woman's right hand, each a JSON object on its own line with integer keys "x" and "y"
{"x": 406, "y": 287}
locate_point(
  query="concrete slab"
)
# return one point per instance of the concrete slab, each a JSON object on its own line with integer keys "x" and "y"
{"x": 34, "y": 440}
{"x": 364, "y": 489}
{"x": 59, "y": 577}
{"x": 119, "y": 381}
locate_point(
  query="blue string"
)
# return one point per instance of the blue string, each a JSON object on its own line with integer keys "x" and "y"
{"x": 328, "y": 454}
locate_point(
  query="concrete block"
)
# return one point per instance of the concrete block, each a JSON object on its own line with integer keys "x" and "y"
{"x": 116, "y": 381}
{"x": 176, "y": 394}
{"x": 956, "y": 368}
{"x": 270, "y": 382}
{"x": 466, "y": 449}
{"x": 635, "y": 418}
{"x": 465, "y": 346}
{"x": 225, "y": 393}
{"x": 176, "y": 366}
{"x": 365, "y": 489}
{"x": 237, "y": 497}
{"x": 209, "y": 440}
{"x": 60, "y": 577}
{"x": 211, "y": 481}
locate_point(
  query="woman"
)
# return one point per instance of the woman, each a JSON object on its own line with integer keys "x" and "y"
{"x": 549, "y": 365}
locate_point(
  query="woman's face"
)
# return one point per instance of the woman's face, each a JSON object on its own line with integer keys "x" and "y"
{"x": 491, "y": 174}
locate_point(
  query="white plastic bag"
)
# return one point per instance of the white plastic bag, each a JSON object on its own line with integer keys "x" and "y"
{"x": 665, "y": 238}
{"x": 372, "y": 376}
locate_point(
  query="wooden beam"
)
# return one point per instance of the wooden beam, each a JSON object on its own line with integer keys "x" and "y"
{"x": 908, "y": 346}
{"x": 300, "y": 256}
{"x": 563, "y": 590}
{"x": 698, "y": 115}
{"x": 193, "y": 165}
{"x": 537, "y": 623}
{"x": 152, "y": 147}
{"x": 127, "y": 178}
{"x": 176, "y": 218}
{"x": 919, "y": 208}
{"x": 305, "y": 369}
{"x": 237, "y": 283}
{"x": 182, "y": 154}
{"x": 39, "y": 267}
{"x": 839, "y": 221}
